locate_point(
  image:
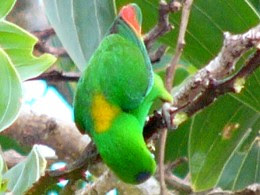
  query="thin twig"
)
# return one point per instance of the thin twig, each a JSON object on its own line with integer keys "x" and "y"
{"x": 170, "y": 72}
{"x": 163, "y": 138}
{"x": 55, "y": 75}
{"x": 177, "y": 183}
{"x": 180, "y": 44}
{"x": 163, "y": 26}
{"x": 43, "y": 47}
{"x": 157, "y": 55}
{"x": 171, "y": 166}
{"x": 172, "y": 180}
{"x": 44, "y": 34}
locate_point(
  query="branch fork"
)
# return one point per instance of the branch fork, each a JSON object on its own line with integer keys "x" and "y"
{"x": 201, "y": 90}
{"x": 163, "y": 26}
{"x": 213, "y": 80}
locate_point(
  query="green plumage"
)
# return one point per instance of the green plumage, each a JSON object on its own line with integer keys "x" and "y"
{"x": 112, "y": 101}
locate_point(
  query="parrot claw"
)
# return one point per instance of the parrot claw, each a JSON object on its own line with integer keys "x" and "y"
{"x": 166, "y": 110}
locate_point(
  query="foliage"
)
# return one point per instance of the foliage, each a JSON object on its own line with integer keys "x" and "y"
{"x": 20, "y": 177}
{"x": 16, "y": 64}
{"x": 222, "y": 141}
{"x": 79, "y": 39}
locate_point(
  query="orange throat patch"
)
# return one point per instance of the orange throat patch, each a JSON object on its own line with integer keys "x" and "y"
{"x": 103, "y": 113}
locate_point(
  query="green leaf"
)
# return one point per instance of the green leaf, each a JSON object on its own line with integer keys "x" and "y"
{"x": 216, "y": 132}
{"x": 80, "y": 25}
{"x": 177, "y": 146}
{"x": 23, "y": 175}
{"x": 5, "y": 7}
{"x": 16, "y": 47}
{"x": 2, "y": 166}
{"x": 236, "y": 175}
{"x": 255, "y": 4}
{"x": 18, "y": 44}
{"x": 10, "y": 91}
{"x": 3, "y": 182}
{"x": 215, "y": 135}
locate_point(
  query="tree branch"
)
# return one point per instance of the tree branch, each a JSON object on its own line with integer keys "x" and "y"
{"x": 44, "y": 34}
{"x": 217, "y": 88}
{"x": 42, "y": 45}
{"x": 55, "y": 75}
{"x": 30, "y": 129}
{"x": 253, "y": 189}
{"x": 163, "y": 138}
{"x": 204, "y": 87}
{"x": 170, "y": 72}
{"x": 177, "y": 183}
{"x": 73, "y": 171}
{"x": 211, "y": 81}
{"x": 163, "y": 26}
{"x": 172, "y": 180}
{"x": 157, "y": 55}
{"x": 11, "y": 158}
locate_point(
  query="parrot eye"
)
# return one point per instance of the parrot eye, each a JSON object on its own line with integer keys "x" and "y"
{"x": 141, "y": 177}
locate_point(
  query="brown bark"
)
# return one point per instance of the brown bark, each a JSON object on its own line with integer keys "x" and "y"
{"x": 64, "y": 138}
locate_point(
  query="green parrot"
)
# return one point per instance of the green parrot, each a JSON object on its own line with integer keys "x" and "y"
{"x": 114, "y": 96}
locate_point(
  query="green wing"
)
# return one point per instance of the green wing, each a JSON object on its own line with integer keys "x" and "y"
{"x": 121, "y": 27}
{"x": 118, "y": 71}
{"x": 123, "y": 74}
